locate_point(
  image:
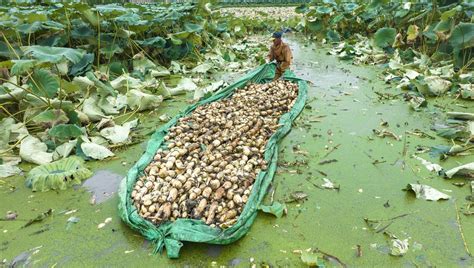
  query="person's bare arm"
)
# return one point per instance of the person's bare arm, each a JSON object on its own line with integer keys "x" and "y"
{"x": 271, "y": 55}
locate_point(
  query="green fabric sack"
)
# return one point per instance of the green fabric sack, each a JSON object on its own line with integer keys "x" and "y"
{"x": 170, "y": 234}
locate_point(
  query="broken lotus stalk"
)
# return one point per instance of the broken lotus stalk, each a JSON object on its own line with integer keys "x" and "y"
{"x": 211, "y": 158}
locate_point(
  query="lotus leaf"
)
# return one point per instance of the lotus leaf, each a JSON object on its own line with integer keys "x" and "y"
{"x": 58, "y": 175}
{"x": 8, "y": 166}
{"x": 142, "y": 101}
{"x": 83, "y": 66}
{"x": 426, "y": 192}
{"x": 21, "y": 67}
{"x": 43, "y": 83}
{"x": 385, "y": 37}
{"x": 34, "y": 151}
{"x": 65, "y": 131}
{"x": 5, "y": 130}
{"x": 462, "y": 36}
{"x": 54, "y": 54}
{"x": 64, "y": 150}
{"x": 95, "y": 151}
{"x": 412, "y": 33}
{"x": 50, "y": 118}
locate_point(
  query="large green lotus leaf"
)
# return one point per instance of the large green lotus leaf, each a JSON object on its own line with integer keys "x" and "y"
{"x": 192, "y": 27}
{"x": 440, "y": 56}
{"x": 53, "y": 25}
{"x": 350, "y": 7}
{"x": 449, "y": 14}
{"x": 385, "y": 37}
{"x": 110, "y": 50}
{"x": 222, "y": 27}
{"x": 43, "y": 83}
{"x": 34, "y": 151}
{"x": 50, "y": 118}
{"x": 35, "y": 16}
{"x": 56, "y": 40}
{"x": 444, "y": 26}
{"x": 177, "y": 51}
{"x": 103, "y": 88}
{"x": 175, "y": 41}
{"x": 173, "y": 15}
{"x": 116, "y": 68}
{"x": 111, "y": 9}
{"x": 65, "y": 131}
{"x": 377, "y": 3}
{"x": 333, "y": 36}
{"x": 89, "y": 15}
{"x": 181, "y": 35}
{"x": 462, "y": 36}
{"x": 323, "y": 10}
{"x": 29, "y": 28}
{"x": 58, "y": 175}
{"x": 429, "y": 32}
{"x": 156, "y": 42}
{"x": 21, "y": 67}
{"x": 336, "y": 19}
{"x": 462, "y": 57}
{"x": 83, "y": 31}
{"x": 401, "y": 13}
{"x": 131, "y": 19}
{"x": 314, "y": 26}
{"x": 83, "y": 66}
{"x": 54, "y": 54}
{"x": 36, "y": 101}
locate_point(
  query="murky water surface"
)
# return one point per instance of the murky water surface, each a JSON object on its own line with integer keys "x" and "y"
{"x": 341, "y": 113}
{"x": 102, "y": 185}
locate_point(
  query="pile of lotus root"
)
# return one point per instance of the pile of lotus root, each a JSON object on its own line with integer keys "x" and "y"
{"x": 206, "y": 168}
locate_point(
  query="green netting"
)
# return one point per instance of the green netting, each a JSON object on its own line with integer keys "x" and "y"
{"x": 170, "y": 234}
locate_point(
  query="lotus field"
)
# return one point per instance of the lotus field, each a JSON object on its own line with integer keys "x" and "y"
{"x": 83, "y": 87}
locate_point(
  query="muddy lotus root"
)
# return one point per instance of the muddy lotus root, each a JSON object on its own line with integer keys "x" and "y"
{"x": 206, "y": 168}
